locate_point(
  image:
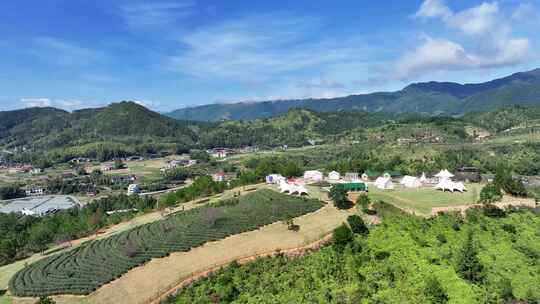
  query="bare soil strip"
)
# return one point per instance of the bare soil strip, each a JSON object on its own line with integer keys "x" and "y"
{"x": 506, "y": 202}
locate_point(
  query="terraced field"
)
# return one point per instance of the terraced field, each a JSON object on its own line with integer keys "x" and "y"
{"x": 84, "y": 269}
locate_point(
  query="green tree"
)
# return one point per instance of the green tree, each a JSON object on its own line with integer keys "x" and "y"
{"x": 11, "y": 192}
{"x": 342, "y": 235}
{"x": 46, "y": 300}
{"x": 363, "y": 201}
{"x": 339, "y": 197}
{"x": 435, "y": 292}
{"x": 469, "y": 267}
{"x": 118, "y": 164}
{"x": 490, "y": 193}
{"x": 357, "y": 224}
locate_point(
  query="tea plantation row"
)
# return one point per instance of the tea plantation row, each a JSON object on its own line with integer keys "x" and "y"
{"x": 84, "y": 269}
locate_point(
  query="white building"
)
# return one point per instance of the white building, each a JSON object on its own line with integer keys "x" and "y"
{"x": 133, "y": 189}
{"x": 218, "y": 177}
{"x": 334, "y": 176}
{"x": 313, "y": 175}
{"x": 351, "y": 176}
{"x": 384, "y": 183}
{"x": 411, "y": 182}
{"x": 34, "y": 191}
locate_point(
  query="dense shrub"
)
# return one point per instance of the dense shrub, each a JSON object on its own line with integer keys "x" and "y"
{"x": 490, "y": 193}
{"x": 357, "y": 224}
{"x": 342, "y": 236}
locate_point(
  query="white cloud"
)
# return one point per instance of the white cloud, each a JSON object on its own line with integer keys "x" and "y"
{"x": 476, "y": 20}
{"x": 66, "y": 104}
{"x": 433, "y": 9}
{"x": 36, "y": 102}
{"x": 146, "y": 16}
{"x": 253, "y": 49}
{"x": 64, "y": 53}
{"x": 487, "y": 36}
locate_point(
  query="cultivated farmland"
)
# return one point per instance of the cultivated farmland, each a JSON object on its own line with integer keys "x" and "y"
{"x": 84, "y": 269}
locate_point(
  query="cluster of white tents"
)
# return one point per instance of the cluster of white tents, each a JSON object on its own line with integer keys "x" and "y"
{"x": 446, "y": 184}
{"x": 286, "y": 186}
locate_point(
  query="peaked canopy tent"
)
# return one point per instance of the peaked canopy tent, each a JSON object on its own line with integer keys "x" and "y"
{"x": 292, "y": 188}
{"x": 444, "y": 174}
{"x": 448, "y": 185}
{"x": 384, "y": 183}
{"x": 423, "y": 178}
{"x": 411, "y": 181}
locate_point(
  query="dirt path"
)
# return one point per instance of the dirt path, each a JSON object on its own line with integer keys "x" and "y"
{"x": 146, "y": 283}
{"x": 507, "y": 201}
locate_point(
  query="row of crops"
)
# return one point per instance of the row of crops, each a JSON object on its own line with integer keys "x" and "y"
{"x": 84, "y": 269}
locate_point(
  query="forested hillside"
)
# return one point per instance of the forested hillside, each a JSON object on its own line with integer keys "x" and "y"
{"x": 127, "y": 128}
{"x": 506, "y": 118}
{"x": 427, "y": 98}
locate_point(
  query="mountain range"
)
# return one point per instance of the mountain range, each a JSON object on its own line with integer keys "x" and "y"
{"x": 430, "y": 98}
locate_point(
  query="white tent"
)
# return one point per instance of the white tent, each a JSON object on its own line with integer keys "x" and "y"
{"x": 274, "y": 178}
{"x": 292, "y": 188}
{"x": 411, "y": 181}
{"x": 384, "y": 183}
{"x": 444, "y": 174}
{"x": 423, "y": 178}
{"x": 448, "y": 185}
{"x": 334, "y": 176}
{"x": 365, "y": 177}
{"x": 313, "y": 175}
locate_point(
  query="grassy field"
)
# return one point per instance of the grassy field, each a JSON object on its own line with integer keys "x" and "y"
{"x": 421, "y": 200}
{"x": 5, "y": 299}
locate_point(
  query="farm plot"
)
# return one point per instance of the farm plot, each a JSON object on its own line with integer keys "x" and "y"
{"x": 85, "y": 268}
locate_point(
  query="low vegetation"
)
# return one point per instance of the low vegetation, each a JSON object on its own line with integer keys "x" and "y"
{"x": 85, "y": 268}
{"x": 406, "y": 259}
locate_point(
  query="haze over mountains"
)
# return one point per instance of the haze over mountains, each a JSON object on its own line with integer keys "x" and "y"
{"x": 425, "y": 98}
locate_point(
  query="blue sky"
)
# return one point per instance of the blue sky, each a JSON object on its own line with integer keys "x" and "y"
{"x": 170, "y": 54}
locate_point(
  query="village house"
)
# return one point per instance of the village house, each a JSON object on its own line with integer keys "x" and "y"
{"x": 36, "y": 171}
{"x": 219, "y": 177}
{"x": 219, "y": 152}
{"x": 107, "y": 167}
{"x": 80, "y": 160}
{"x": 468, "y": 175}
{"x": 34, "y": 191}
{"x": 123, "y": 179}
{"x": 133, "y": 189}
